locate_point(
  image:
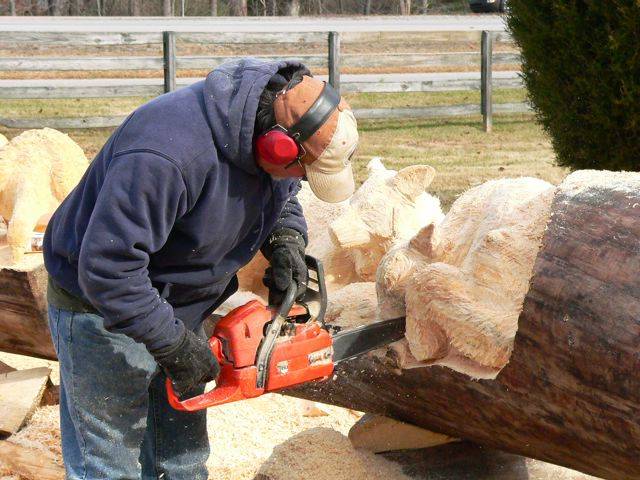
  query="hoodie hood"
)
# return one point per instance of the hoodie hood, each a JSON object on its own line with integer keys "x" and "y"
{"x": 231, "y": 95}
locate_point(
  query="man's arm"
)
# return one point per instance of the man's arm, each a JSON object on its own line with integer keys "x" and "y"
{"x": 292, "y": 216}
{"x": 285, "y": 250}
{"x": 142, "y": 196}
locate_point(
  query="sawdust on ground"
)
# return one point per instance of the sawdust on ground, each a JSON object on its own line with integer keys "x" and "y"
{"x": 270, "y": 437}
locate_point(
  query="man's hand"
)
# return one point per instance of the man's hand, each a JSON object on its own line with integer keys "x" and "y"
{"x": 188, "y": 363}
{"x": 285, "y": 251}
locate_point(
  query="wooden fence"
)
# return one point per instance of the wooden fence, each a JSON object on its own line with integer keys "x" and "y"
{"x": 334, "y": 60}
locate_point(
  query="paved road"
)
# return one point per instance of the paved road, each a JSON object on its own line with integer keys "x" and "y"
{"x": 415, "y": 23}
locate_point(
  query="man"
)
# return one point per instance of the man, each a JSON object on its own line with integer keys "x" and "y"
{"x": 149, "y": 242}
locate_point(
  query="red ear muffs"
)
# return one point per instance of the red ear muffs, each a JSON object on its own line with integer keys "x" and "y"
{"x": 275, "y": 147}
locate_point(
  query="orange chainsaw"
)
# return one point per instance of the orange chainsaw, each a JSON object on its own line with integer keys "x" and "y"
{"x": 265, "y": 349}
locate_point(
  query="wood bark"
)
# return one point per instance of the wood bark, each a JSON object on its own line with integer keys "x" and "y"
{"x": 23, "y": 313}
{"x": 570, "y": 393}
{"x": 167, "y": 8}
{"x": 59, "y": 7}
{"x": 29, "y": 463}
{"x": 238, "y": 8}
{"x": 134, "y": 8}
{"x": 294, "y": 8}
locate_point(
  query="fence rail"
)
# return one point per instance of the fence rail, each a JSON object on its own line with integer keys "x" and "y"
{"x": 256, "y": 32}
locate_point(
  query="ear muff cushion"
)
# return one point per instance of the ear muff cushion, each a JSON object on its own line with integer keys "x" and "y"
{"x": 277, "y": 148}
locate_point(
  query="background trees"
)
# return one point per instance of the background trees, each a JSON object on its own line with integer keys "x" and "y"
{"x": 582, "y": 71}
{"x": 230, "y": 7}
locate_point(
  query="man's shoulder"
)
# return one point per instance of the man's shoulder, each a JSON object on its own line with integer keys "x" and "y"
{"x": 173, "y": 125}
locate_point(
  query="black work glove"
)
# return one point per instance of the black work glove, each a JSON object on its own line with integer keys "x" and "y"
{"x": 285, "y": 251}
{"x": 188, "y": 362}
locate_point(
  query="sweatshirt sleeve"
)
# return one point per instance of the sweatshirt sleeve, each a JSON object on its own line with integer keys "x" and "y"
{"x": 141, "y": 197}
{"x": 292, "y": 216}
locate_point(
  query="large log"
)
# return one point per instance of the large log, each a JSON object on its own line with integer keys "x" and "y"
{"x": 23, "y": 308}
{"x": 570, "y": 393}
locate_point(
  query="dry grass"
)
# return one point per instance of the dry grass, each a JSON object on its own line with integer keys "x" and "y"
{"x": 461, "y": 152}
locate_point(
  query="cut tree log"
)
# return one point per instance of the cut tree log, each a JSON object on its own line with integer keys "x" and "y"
{"x": 20, "y": 394}
{"x": 23, "y": 308}
{"x": 29, "y": 463}
{"x": 570, "y": 393}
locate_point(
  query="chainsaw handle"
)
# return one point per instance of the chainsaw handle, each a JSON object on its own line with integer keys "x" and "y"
{"x": 223, "y": 393}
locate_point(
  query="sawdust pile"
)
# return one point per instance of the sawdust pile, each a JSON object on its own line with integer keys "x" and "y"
{"x": 3, "y": 140}
{"x": 270, "y": 435}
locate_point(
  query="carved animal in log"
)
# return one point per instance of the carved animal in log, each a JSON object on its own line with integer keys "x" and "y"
{"x": 462, "y": 283}
{"x": 351, "y": 237}
{"x": 570, "y": 392}
{"x": 38, "y": 169}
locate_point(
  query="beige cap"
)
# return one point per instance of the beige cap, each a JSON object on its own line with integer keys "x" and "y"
{"x": 327, "y": 160}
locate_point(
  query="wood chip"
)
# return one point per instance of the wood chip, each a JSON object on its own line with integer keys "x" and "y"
{"x": 20, "y": 393}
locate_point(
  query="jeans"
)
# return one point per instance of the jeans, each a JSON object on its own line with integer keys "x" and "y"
{"x": 115, "y": 420}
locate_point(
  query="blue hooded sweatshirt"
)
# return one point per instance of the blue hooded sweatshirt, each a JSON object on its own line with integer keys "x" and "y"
{"x": 171, "y": 207}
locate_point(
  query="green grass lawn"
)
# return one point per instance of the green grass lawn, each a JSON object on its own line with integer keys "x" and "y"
{"x": 462, "y": 153}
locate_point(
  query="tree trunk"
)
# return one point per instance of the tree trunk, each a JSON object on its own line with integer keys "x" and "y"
{"x": 134, "y": 8}
{"x": 367, "y": 7}
{"x": 570, "y": 393}
{"x": 12, "y": 7}
{"x": 424, "y": 9}
{"x": 273, "y": 8}
{"x": 59, "y": 7}
{"x": 167, "y": 8}
{"x": 77, "y": 6}
{"x": 214, "y": 8}
{"x": 294, "y": 8}
{"x": 405, "y": 7}
{"x": 239, "y": 8}
{"x": 23, "y": 313}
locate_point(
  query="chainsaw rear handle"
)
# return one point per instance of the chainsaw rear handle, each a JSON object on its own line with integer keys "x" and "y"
{"x": 232, "y": 384}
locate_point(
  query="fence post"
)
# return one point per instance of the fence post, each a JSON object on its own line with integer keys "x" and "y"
{"x": 486, "y": 76}
{"x": 169, "y": 56}
{"x": 334, "y": 60}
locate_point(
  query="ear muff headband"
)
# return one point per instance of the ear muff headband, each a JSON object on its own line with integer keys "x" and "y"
{"x": 317, "y": 115}
{"x": 273, "y": 146}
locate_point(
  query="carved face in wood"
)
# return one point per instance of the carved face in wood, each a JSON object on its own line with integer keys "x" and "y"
{"x": 462, "y": 283}
{"x": 389, "y": 207}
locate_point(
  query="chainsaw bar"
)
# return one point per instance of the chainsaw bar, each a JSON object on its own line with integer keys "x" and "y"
{"x": 353, "y": 342}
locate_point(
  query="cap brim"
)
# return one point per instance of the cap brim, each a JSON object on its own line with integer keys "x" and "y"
{"x": 331, "y": 187}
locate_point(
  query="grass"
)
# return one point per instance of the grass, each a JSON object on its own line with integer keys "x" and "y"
{"x": 462, "y": 153}
{"x": 78, "y": 107}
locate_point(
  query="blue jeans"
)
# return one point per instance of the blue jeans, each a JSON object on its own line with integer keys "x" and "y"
{"x": 115, "y": 420}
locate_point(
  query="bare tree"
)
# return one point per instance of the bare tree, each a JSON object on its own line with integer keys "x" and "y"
{"x": 424, "y": 7}
{"x": 273, "y": 7}
{"x": 59, "y": 7}
{"x": 167, "y": 8}
{"x": 238, "y": 8}
{"x": 367, "y": 7}
{"x": 214, "y": 8}
{"x": 294, "y": 8}
{"x": 405, "y": 7}
{"x": 12, "y": 7}
{"x": 134, "y": 8}
{"x": 99, "y": 5}
{"x": 77, "y": 7}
